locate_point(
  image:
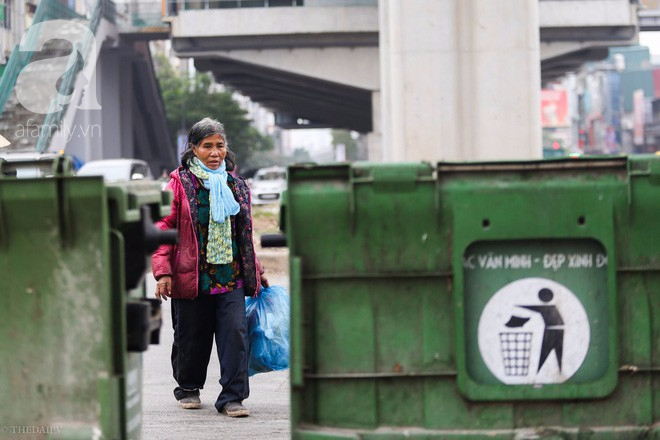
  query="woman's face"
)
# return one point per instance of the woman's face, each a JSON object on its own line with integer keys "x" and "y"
{"x": 211, "y": 151}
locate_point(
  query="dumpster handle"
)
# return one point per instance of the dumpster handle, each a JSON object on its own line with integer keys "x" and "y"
{"x": 3, "y": 232}
{"x": 351, "y": 203}
{"x": 437, "y": 203}
{"x": 273, "y": 240}
{"x": 296, "y": 355}
{"x": 152, "y": 236}
{"x": 62, "y": 167}
{"x": 63, "y": 209}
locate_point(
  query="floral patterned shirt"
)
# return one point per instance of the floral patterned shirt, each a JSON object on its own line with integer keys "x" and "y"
{"x": 215, "y": 278}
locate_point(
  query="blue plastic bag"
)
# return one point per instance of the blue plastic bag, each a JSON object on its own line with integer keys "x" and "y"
{"x": 268, "y": 330}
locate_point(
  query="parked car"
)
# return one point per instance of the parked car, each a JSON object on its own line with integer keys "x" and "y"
{"x": 117, "y": 169}
{"x": 267, "y": 185}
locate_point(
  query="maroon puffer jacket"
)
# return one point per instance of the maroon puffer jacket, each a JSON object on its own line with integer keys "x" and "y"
{"x": 181, "y": 260}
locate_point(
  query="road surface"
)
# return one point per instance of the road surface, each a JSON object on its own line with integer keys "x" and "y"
{"x": 164, "y": 419}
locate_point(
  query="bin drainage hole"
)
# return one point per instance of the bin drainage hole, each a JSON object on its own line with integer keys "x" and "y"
{"x": 581, "y": 220}
{"x": 485, "y": 223}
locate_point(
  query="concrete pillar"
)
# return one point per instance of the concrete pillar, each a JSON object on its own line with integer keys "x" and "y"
{"x": 106, "y": 132}
{"x": 460, "y": 80}
{"x": 374, "y": 139}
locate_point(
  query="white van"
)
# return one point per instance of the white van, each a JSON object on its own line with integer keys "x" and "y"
{"x": 267, "y": 185}
{"x": 114, "y": 170}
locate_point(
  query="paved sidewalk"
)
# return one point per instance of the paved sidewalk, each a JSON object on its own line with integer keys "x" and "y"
{"x": 163, "y": 418}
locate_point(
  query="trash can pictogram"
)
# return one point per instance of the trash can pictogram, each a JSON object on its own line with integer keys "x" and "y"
{"x": 516, "y": 349}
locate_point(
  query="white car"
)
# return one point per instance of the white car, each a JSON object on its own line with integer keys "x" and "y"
{"x": 267, "y": 185}
{"x": 117, "y": 169}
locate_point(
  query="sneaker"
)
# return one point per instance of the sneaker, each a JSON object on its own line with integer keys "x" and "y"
{"x": 191, "y": 402}
{"x": 235, "y": 409}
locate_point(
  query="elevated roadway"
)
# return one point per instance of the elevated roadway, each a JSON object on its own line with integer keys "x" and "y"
{"x": 321, "y": 64}
{"x": 388, "y": 69}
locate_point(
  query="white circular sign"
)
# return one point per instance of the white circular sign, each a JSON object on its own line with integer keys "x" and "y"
{"x": 533, "y": 331}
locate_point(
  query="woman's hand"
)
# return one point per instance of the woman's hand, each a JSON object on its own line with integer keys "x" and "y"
{"x": 164, "y": 287}
{"x": 264, "y": 281}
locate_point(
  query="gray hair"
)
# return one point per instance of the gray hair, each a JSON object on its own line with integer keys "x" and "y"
{"x": 201, "y": 130}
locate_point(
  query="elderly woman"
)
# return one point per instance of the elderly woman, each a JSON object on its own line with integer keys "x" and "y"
{"x": 210, "y": 271}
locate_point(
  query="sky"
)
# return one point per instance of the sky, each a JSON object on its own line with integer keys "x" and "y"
{"x": 317, "y": 141}
{"x": 652, "y": 40}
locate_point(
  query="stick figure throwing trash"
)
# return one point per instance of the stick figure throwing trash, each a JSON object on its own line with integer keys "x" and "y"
{"x": 525, "y": 324}
{"x": 553, "y": 333}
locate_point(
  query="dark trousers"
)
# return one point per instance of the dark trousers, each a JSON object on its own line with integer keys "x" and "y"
{"x": 195, "y": 323}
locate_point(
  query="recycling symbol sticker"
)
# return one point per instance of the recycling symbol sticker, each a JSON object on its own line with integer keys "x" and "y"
{"x": 533, "y": 331}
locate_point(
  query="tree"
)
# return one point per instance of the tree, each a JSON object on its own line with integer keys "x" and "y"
{"x": 301, "y": 155}
{"x": 187, "y": 100}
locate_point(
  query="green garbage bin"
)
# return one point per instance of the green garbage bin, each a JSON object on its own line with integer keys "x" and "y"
{"x": 507, "y": 300}
{"x": 74, "y": 318}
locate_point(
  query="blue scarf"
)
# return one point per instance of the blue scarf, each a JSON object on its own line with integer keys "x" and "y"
{"x": 223, "y": 204}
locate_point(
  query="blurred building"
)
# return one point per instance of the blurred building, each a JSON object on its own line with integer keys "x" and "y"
{"x": 98, "y": 101}
{"x": 605, "y": 107}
